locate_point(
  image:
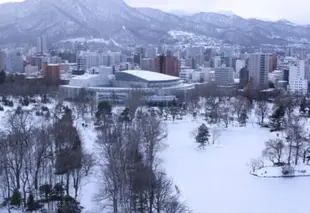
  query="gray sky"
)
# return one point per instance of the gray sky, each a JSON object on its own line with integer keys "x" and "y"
{"x": 293, "y": 10}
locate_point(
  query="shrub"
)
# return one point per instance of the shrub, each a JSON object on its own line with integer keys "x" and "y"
{"x": 44, "y": 109}
{"x": 288, "y": 171}
{"x": 16, "y": 198}
{"x": 1, "y": 108}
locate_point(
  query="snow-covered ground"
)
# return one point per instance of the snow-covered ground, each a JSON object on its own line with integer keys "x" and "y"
{"x": 218, "y": 180}
{"x": 276, "y": 172}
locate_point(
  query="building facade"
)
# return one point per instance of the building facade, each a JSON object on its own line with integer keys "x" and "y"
{"x": 239, "y": 65}
{"x": 169, "y": 65}
{"x": 297, "y": 82}
{"x": 224, "y": 76}
{"x": 14, "y": 62}
{"x": 2, "y": 60}
{"x": 148, "y": 64}
{"x": 42, "y": 44}
{"x": 243, "y": 77}
{"x": 51, "y": 72}
{"x": 258, "y": 69}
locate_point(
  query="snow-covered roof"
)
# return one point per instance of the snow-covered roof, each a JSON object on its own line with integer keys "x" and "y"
{"x": 85, "y": 76}
{"x": 151, "y": 76}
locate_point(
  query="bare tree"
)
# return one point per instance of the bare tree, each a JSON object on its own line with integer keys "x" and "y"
{"x": 295, "y": 138}
{"x": 133, "y": 101}
{"x": 262, "y": 110}
{"x": 274, "y": 150}
{"x": 226, "y": 114}
{"x": 79, "y": 174}
{"x": 131, "y": 179}
{"x": 239, "y": 105}
{"x": 256, "y": 164}
{"x": 215, "y": 134}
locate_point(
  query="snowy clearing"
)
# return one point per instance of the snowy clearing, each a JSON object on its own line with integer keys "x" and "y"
{"x": 218, "y": 180}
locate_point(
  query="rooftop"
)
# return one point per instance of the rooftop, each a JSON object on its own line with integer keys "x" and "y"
{"x": 151, "y": 76}
{"x": 52, "y": 65}
{"x": 85, "y": 76}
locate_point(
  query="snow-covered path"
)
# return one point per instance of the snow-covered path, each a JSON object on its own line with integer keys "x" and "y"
{"x": 218, "y": 179}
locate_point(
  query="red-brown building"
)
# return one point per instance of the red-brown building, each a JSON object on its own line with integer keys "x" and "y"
{"x": 169, "y": 65}
{"x": 51, "y": 72}
{"x": 273, "y": 60}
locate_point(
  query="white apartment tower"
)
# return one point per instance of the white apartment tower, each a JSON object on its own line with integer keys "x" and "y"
{"x": 258, "y": 69}
{"x": 42, "y": 44}
{"x": 217, "y": 61}
{"x": 297, "y": 81}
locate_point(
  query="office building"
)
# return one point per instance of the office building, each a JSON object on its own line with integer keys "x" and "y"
{"x": 258, "y": 69}
{"x": 14, "y": 62}
{"x": 51, "y": 72}
{"x": 148, "y": 64}
{"x": 243, "y": 77}
{"x": 224, "y": 76}
{"x": 169, "y": 65}
{"x": 297, "y": 82}
{"x": 273, "y": 62}
{"x": 239, "y": 65}
{"x": 2, "y": 60}
{"x": 42, "y": 44}
{"x": 217, "y": 62}
{"x": 81, "y": 64}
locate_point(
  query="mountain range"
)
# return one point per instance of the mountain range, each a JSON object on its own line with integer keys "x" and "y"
{"x": 114, "y": 19}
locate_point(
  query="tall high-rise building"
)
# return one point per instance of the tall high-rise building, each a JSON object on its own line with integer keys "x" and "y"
{"x": 81, "y": 64}
{"x": 42, "y": 44}
{"x": 273, "y": 62}
{"x": 2, "y": 60}
{"x": 297, "y": 81}
{"x": 148, "y": 64}
{"x": 169, "y": 65}
{"x": 14, "y": 62}
{"x": 243, "y": 77}
{"x": 217, "y": 62}
{"x": 151, "y": 52}
{"x": 258, "y": 69}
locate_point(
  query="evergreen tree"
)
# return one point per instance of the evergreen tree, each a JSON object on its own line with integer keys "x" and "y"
{"x": 277, "y": 118}
{"x": 303, "y": 106}
{"x": 104, "y": 108}
{"x": 2, "y": 76}
{"x": 16, "y": 198}
{"x": 203, "y": 135}
{"x": 69, "y": 205}
{"x": 243, "y": 117}
{"x": 68, "y": 145}
{"x": 31, "y": 204}
{"x": 125, "y": 115}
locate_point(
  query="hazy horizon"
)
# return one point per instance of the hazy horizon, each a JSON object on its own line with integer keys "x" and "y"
{"x": 295, "y": 11}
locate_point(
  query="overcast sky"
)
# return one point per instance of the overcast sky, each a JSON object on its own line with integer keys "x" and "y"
{"x": 293, "y": 10}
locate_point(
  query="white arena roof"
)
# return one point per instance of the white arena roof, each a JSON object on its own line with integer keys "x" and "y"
{"x": 151, "y": 76}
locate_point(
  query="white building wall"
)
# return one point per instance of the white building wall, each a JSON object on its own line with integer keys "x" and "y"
{"x": 239, "y": 65}
{"x": 217, "y": 62}
{"x": 186, "y": 74}
{"x": 197, "y": 76}
{"x": 297, "y": 81}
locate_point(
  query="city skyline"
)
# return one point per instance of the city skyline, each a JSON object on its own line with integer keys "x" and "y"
{"x": 295, "y": 11}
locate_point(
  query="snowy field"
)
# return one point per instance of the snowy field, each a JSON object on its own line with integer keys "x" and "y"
{"x": 217, "y": 180}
